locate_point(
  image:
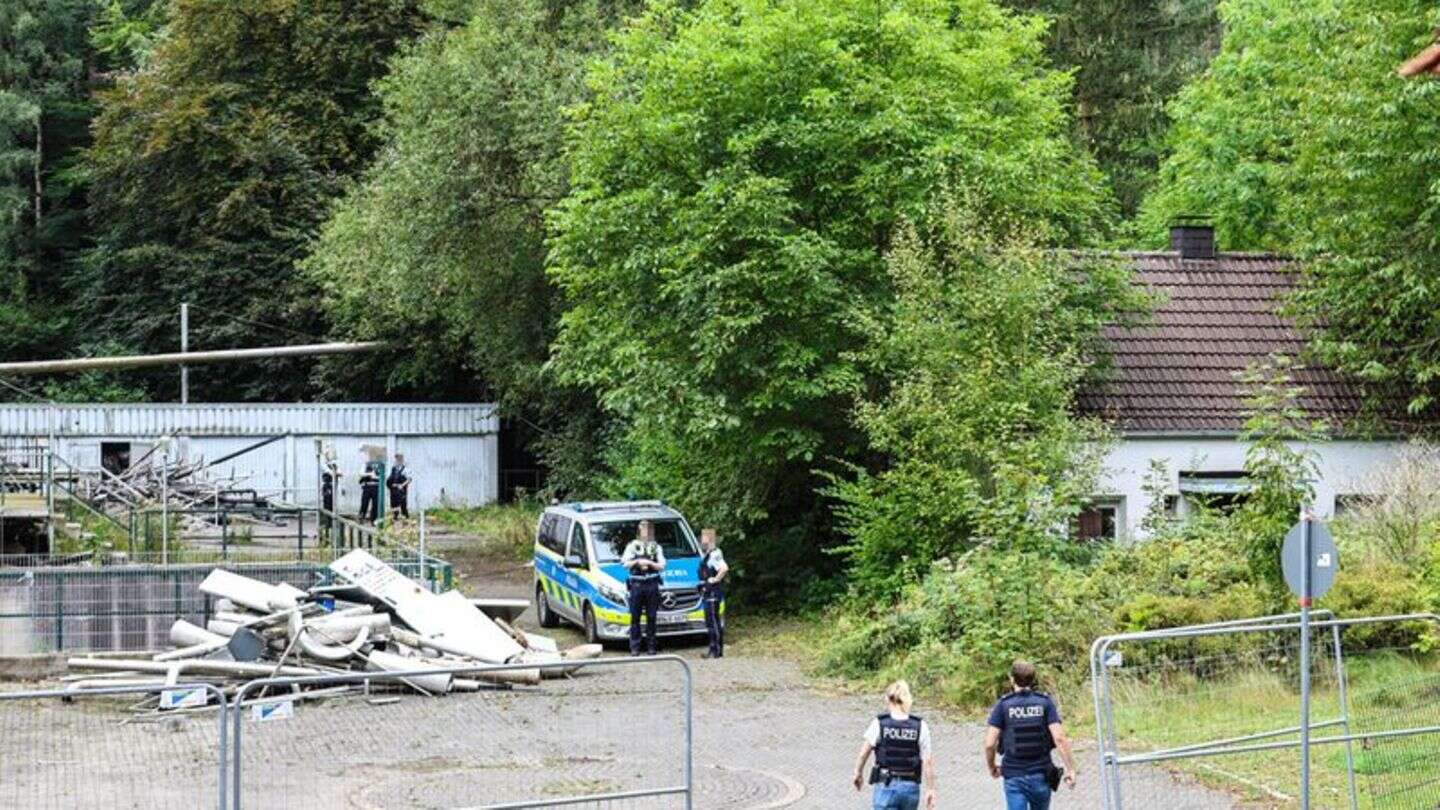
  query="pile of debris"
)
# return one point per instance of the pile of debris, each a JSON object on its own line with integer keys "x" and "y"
{"x": 375, "y": 620}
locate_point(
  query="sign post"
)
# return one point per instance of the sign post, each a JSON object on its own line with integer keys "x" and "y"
{"x": 1309, "y": 561}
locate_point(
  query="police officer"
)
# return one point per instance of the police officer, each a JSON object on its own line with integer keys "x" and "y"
{"x": 398, "y": 486}
{"x": 645, "y": 560}
{"x": 712, "y": 592}
{"x": 901, "y": 742}
{"x": 1025, "y": 727}
{"x": 370, "y": 491}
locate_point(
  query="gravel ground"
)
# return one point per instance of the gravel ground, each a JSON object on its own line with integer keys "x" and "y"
{"x": 764, "y": 738}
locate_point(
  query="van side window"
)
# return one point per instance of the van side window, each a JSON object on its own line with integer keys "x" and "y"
{"x": 577, "y": 544}
{"x": 553, "y": 529}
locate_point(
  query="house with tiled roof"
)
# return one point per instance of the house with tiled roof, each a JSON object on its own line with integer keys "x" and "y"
{"x": 1174, "y": 396}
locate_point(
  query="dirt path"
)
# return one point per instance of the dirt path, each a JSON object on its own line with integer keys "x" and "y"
{"x": 760, "y": 721}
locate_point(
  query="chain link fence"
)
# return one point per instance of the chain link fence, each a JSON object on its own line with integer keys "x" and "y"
{"x": 89, "y": 750}
{"x": 612, "y": 733}
{"x": 1204, "y": 717}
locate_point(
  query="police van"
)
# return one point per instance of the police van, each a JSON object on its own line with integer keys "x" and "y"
{"x": 579, "y": 577}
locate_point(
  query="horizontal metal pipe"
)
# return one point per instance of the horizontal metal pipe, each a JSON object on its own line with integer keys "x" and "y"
{"x": 1221, "y": 744}
{"x": 1276, "y": 746}
{"x": 186, "y": 358}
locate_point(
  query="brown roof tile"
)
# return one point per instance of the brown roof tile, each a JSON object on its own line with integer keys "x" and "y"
{"x": 1179, "y": 371}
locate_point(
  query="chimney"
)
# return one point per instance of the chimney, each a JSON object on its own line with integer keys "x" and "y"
{"x": 1193, "y": 238}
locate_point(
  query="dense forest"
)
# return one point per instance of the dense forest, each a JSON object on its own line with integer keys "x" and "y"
{"x": 787, "y": 263}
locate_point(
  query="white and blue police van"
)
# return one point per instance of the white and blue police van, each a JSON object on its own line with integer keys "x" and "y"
{"x": 579, "y": 577}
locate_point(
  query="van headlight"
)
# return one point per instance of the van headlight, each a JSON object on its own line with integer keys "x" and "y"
{"x": 612, "y": 593}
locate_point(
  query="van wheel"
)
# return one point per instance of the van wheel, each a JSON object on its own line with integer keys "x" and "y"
{"x": 592, "y": 633}
{"x": 543, "y": 613}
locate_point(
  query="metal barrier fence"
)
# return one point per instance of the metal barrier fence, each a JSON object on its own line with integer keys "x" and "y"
{"x": 85, "y": 608}
{"x": 1219, "y": 705}
{"x": 616, "y": 733}
{"x": 70, "y": 750}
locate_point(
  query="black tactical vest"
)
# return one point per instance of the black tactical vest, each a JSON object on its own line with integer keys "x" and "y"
{"x": 897, "y": 752}
{"x": 1026, "y": 735}
{"x": 707, "y": 571}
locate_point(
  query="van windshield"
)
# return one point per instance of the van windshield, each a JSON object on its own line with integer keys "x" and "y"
{"x": 611, "y": 539}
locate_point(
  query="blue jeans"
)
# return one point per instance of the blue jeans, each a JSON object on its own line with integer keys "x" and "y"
{"x": 1028, "y": 792}
{"x": 897, "y": 795}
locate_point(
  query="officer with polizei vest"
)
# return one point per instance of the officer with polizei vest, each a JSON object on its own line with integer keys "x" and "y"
{"x": 903, "y": 758}
{"x": 1024, "y": 727}
{"x": 712, "y": 592}
{"x": 645, "y": 560}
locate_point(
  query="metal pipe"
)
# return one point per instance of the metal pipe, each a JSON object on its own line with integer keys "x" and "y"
{"x": 1277, "y": 746}
{"x": 1345, "y": 717}
{"x": 184, "y": 349}
{"x": 186, "y": 358}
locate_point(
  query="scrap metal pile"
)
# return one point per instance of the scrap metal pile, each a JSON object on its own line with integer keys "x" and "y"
{"x": 374, "y": 620}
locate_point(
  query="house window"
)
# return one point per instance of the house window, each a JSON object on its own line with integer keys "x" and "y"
{"x": 1220, "y": 491}
{"x": 1098, "y": 521}
{"x": 1345, "y": 504}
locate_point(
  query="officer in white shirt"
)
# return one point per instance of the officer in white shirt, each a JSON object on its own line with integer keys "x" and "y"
{"x": 903, "y": 759}
{"x": 645, "y": 560}
{"x": 712, "y": 592}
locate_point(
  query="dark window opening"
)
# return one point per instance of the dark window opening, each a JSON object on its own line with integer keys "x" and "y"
{"x": 1100, "y": 521}
{"x": 115, "y": 457}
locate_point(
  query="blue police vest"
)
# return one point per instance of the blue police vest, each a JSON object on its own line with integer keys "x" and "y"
{"x": 1025, "y": 739}
{"x": 897, "y": 752}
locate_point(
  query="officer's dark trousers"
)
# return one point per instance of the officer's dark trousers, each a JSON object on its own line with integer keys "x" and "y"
{"x": 644, "y": 600}
{"x": 714, "y": 621}
{"x": 397, "y": 501}
{"x": 369, "y": 502}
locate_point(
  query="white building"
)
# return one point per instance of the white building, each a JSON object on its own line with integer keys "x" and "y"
{"x": 1174, "y": 397}
{"x": 452, "y": 451}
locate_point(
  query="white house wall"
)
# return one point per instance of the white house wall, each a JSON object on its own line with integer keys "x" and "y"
{"x": 1345, "y": 468}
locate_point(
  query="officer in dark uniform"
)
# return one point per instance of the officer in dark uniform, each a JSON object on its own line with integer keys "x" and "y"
{"x": 370, "y": 491}
{"x": 327, "y": 499}
{"x": 1024, "y": 727}
{"x": 712, "y": 592}
{"x": 901, "y": 743}
{"x": 645, "y": 560}
{"x": 397, "y": 484}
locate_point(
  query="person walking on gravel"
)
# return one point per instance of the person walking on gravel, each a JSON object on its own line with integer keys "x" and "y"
{"x": 901, "y": 744}
{"x": 1024, "y": 727}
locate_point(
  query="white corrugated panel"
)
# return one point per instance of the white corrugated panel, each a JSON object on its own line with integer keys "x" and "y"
{"x": 244, "y": 419}
{"x": 453, "y": 470}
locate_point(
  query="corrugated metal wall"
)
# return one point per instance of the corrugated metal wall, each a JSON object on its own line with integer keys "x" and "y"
{"x": 142, "y": 421}
{"x": 452, "y": 450}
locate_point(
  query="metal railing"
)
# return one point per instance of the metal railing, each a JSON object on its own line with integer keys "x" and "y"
{"x": 122, "y": 602}
{"x": 56, "y": 754}
{"x": 1200, "y": 695}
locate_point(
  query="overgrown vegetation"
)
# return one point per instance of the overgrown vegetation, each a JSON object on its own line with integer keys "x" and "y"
{"x": 955, "y": 627}
{"x": 504, "y": 532}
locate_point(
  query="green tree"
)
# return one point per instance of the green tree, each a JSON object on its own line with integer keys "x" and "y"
{"x": 1301, "y": 138}
{"x": 982, "y": 351}
{"x": 213, "y": 166}
{"x": 736, "y": 180}
{"x": 1130, "y": 57}
{"x": 43, "y": 117}
{"x": 1280, "y": 464}
{"x": 444, "y": 237}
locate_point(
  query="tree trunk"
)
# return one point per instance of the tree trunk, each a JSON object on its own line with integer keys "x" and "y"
{"x": 39, "y": 161}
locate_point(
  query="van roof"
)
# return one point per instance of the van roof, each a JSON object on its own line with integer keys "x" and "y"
{"x": 596, "y": 511}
